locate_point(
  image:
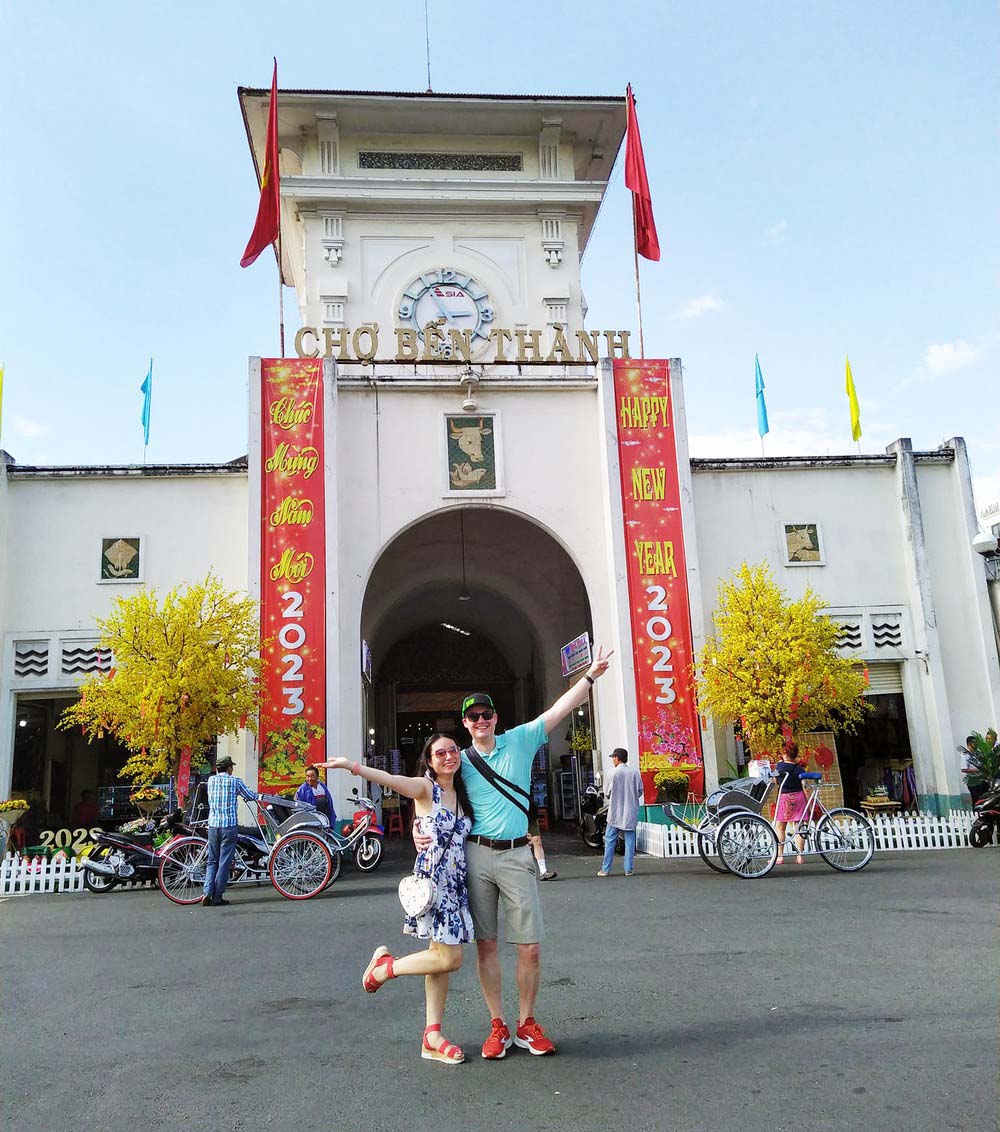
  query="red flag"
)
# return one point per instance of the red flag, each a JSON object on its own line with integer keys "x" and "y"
{"x": 268, "y": 223}
{"x": 646, "y": 243}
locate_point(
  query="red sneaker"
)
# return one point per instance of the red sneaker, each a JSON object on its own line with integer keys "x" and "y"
{"x": 497, "y": 1044}
{"x": 530, "y": 1036}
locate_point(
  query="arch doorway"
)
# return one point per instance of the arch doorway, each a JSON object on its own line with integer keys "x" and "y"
{"x": 470, "y": 599}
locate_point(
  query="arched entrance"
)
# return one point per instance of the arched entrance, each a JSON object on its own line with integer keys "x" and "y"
{"x": 474, "y": 598}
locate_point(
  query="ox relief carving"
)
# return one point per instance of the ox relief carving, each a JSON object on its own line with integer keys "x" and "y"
{"x": 472, "y": 463}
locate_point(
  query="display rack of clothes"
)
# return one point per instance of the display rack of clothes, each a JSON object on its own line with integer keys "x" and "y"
{"x": 900, "y": 781}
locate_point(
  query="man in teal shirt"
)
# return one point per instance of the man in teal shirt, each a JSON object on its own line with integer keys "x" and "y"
{"x": 500, "y": 863}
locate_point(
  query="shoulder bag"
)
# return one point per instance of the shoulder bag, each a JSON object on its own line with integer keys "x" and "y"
{"x": 503, "y": 786}
{"x": 418, "y": 893}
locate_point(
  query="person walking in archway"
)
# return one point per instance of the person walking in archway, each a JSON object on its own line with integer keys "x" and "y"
{"x": 497, "y": 774}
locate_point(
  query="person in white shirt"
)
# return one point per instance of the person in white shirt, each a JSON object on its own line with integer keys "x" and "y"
{"x": 623, "y": 788}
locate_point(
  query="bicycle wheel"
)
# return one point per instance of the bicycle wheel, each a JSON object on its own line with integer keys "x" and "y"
{"x": 845, "y": 840}
{"x": 706, "y": 845}
{"x": 747, "y": 845}
{"x": 300, "y": 866}
{"x": 182, "y": 871}
{"x": 338, "y": 864}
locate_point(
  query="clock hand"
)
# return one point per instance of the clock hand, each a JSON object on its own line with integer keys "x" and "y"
{"x": 441, "y": 307}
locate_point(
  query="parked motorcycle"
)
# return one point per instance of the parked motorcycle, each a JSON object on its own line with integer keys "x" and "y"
{"x": 987, "y": 819}
{"x": 368, "y": 846}
{"x": 594, "y": 821}
{"x": 120, "y": 857}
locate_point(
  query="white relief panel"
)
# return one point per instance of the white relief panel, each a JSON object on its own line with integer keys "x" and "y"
{"x": 380, "y": 254}
{"x": 504, "y": 255}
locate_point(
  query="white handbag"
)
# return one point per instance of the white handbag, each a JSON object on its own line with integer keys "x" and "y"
{"x": 418, "y": 893}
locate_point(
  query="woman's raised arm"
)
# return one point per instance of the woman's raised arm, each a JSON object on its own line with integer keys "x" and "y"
{"x": 401, "y": 783}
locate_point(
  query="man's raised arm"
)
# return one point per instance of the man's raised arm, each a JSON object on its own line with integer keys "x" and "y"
{"x": 578, "y": 693}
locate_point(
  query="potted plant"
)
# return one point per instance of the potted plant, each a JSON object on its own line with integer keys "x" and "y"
{"x": 13, "y": 810}
{"x": 671, "y": 784}
{"x": 147, "y": 799}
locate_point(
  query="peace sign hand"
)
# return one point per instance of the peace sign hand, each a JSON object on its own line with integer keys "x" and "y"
{"x": 599, "y": 665}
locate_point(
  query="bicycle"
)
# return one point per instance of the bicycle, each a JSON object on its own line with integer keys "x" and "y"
{"x": 746, "y": 843}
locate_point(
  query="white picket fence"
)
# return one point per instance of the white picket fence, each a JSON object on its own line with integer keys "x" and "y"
{"x": 22, "y": 876}
{"x": 910, "y": 831}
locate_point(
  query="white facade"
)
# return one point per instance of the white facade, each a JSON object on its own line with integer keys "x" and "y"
{"x": 540, "y": 556}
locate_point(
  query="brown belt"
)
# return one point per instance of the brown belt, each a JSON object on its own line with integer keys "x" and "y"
{"x": 493, "y": 843}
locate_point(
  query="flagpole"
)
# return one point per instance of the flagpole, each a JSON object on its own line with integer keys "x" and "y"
{"x": 638, "y": 289}
{"x": 281, "y": 291}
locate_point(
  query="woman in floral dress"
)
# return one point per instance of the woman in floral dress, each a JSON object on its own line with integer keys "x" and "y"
{"x": 443, "y": 812}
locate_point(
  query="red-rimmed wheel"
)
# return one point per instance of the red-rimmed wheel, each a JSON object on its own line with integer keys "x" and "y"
{"x": 182, "y": 870}
{"x": 300, "y": 866}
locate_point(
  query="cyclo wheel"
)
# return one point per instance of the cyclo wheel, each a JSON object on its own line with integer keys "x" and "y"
{"x": 706, "y": 845}
{"x": 182, "y": 870}
{"x": 337, "y": 865}
{"x": 300, "y": 866}
{"x": 747, "y": 845}
{"x": 845, "y": 839}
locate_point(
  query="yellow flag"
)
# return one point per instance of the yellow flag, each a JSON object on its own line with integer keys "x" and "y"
{"x": 852, "y": 399}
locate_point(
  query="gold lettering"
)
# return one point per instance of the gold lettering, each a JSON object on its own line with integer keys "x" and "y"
{"x": 461, "y": 344}
{"x": 286, "y": 412}
{"x": 561, "y": 347}
{"x": 294, "y": 567}
{"x": 365, "y": 355}
{"x": 649, "y": 483}
{"x": 407, "y": 344}
{"x": 655, "y": 558}
{"x": 589, "y": 343}
{"x": 529, "y": 342}
{"x": 341, "y": 333}
{"x": 502, "y": 339}
{"x": 617, "y": 340}
{"x": 287, "y": 462}
{"x": 292, "y": 512}
{"x": 300, "y": 338}
{"x": 433, "y": 340}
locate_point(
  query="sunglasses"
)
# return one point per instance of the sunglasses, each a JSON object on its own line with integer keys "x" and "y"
{"x": 476, "y": 716}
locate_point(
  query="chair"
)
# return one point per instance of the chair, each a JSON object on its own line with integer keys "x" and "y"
{"x": 394, "y": 828}
{"x": 543, "y": 819}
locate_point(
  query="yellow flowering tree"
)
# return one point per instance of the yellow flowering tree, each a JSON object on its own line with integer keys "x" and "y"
{"x": 773, "y": 664}
{"x": 185, "y": 670}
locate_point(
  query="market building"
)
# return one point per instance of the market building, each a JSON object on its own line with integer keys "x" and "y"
{"x": 465, "y": 491}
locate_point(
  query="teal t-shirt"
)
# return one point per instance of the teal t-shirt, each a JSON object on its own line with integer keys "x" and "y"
{"x": 511, "y": 758}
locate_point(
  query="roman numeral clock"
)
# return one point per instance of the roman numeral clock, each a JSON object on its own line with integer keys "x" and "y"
{"x": 453, "y": 300}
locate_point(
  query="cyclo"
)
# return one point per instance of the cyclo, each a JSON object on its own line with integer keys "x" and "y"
{"x": 292, "y": 845}
{"x": 734, "y": 831}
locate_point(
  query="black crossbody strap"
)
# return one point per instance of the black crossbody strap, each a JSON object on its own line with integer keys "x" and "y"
{"x": 503, "y": 786}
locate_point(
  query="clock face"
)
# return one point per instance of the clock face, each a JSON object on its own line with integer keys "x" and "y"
{"x": 452, "y": 299}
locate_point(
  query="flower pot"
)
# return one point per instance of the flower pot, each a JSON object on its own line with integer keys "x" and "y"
{"x": 148, "y": 806}
{"x": 12, "y": 817}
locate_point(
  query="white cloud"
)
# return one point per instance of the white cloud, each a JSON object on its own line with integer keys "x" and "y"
{"x": 29, "y": 429}
{"x": 986, "y": 490}
{"x": 695, "y": 308}
{"x": 946, "y": 357}
{"x": 794, "y": 432}
{"x": 776, "y": 229}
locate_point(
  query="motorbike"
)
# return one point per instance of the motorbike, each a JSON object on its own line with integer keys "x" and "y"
{"x": 368, "y": 846}
{"x": 594, "y": 821}
{"x": 128, "y": 857}
{"x": 987, "y": 818}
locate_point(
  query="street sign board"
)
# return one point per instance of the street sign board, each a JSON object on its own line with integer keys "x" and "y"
{"x": 575, "y": 655}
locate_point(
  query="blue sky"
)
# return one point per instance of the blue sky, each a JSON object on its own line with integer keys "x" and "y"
{"x": 824, "y": 180}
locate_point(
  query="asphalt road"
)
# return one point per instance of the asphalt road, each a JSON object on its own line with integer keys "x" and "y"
{"x": 680, "y": 1001}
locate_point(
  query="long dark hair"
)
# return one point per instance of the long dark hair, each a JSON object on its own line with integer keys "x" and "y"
{"x": 424, "y": 767}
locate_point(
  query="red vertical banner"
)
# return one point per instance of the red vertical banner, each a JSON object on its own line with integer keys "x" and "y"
{"x": 292, "y": 564}
{"x": 659, "y": 604}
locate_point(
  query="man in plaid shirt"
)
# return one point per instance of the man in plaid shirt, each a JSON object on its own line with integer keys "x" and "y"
{"x": 224, "y": 793}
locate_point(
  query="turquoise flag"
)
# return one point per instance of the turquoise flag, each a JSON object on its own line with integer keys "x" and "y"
{"x": 147, "y": 389}
{"x": 762, "y": 425}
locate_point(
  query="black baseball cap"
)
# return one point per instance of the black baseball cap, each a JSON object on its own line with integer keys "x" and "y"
{"x": 224, "y": 763}
{"x": 477, "y": 699}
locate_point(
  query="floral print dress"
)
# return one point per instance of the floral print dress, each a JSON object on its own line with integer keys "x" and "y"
{"x": 449, "y": 920}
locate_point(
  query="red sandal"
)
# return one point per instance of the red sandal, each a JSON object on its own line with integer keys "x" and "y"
{"x": 380, "y": 958}
{"x": 447, "y": 1053}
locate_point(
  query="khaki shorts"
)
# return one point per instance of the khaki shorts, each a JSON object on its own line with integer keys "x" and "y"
{"x": 508, "y": 876}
